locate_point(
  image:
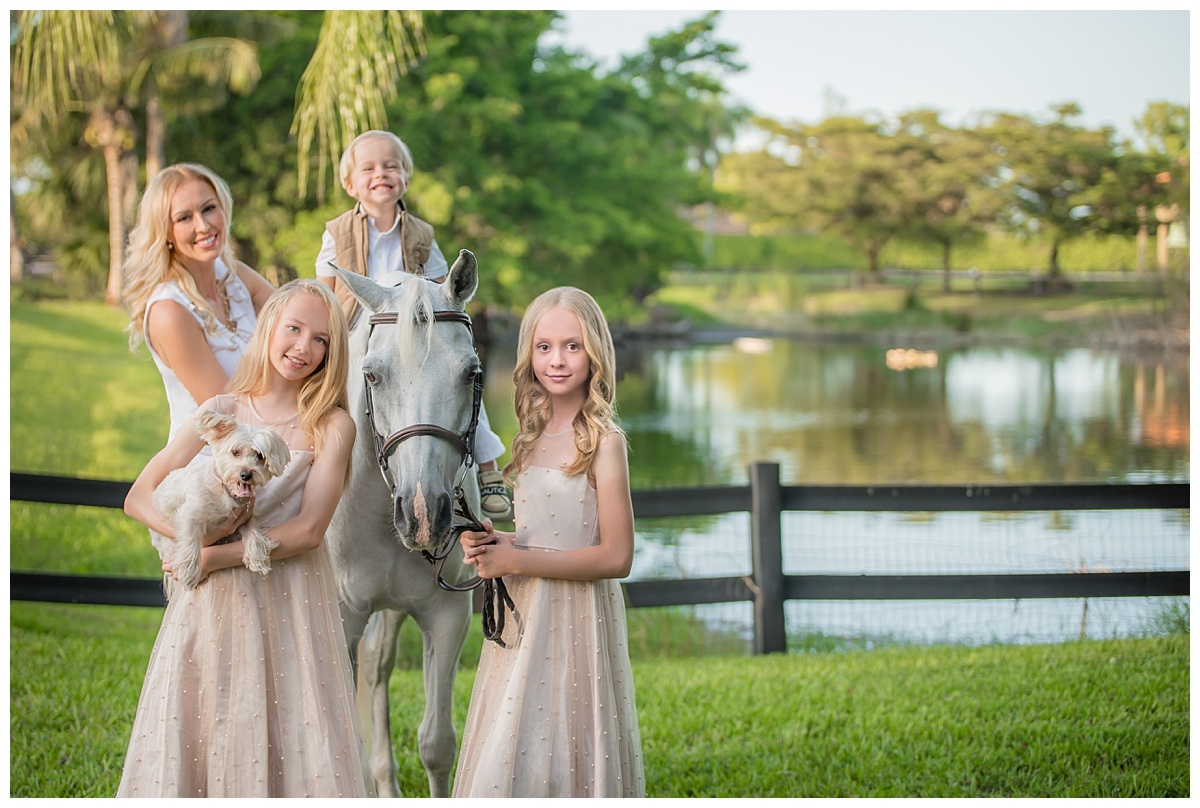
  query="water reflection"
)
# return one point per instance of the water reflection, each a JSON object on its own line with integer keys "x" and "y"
{"x": 836, "y": 414}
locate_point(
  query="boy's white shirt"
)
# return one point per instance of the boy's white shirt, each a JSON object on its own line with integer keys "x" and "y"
{"x": 384, "y": 254}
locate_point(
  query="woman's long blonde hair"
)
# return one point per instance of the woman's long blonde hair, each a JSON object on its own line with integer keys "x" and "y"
{"x": 595, "y": 417}
{"x": 325, "y": 388}
{"x": 148, "y": 260}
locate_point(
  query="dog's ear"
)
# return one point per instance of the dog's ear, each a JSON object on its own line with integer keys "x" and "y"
{"x": 214, "y": 426}
{"x": 274, "y": 449}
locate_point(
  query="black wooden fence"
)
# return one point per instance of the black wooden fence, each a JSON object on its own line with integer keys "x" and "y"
{"x": 767, "y": 587}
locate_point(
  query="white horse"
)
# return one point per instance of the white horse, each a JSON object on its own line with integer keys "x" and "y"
{"x": 412, "y": 392}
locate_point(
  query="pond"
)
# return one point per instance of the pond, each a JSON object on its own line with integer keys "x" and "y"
{"x": 699, "y": 414}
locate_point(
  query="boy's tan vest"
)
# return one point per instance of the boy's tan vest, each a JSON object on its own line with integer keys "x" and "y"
{"x": 350, "y": 243}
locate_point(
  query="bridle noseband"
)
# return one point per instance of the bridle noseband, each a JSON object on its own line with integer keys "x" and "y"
{"x": 494, "y": 589}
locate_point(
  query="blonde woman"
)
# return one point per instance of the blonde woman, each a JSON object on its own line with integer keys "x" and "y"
{"x": 249, "y": 691}
{"x": 188, "y": 299}
{"x": 552, "y": 712}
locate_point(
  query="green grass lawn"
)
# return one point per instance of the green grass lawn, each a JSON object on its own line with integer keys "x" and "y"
{"x": 1106, "y": 719}
{"x": 1088, "y": 719}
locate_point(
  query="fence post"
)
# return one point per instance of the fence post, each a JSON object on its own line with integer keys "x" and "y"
{"x": 766, "y": 542}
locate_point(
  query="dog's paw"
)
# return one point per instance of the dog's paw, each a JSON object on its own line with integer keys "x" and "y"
{"x": 187, "y": 573}
{"x": 256, "y": 555}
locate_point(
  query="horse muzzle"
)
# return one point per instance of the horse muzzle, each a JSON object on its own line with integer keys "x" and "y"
{"x": 423, "y": 521}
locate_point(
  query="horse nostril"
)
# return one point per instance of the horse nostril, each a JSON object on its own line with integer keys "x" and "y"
{"x": 247, "y": 475}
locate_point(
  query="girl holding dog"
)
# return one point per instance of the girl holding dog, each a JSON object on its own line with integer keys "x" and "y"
{"x": 192, "y": 303}
{"x": 552, "y": 713}
{"x": 249, "y": 691}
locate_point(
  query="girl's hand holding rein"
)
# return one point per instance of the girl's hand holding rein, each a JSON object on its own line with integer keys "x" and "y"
{"x": 492, "y": 552}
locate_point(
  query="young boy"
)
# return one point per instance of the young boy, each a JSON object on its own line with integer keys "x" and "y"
{"x": 379, "y": 236}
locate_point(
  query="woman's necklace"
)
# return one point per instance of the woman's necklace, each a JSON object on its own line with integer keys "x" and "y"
{"x": 223, "y": 302}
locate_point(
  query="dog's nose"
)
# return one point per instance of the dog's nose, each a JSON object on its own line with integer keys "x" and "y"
{"x": 247, "y": 475}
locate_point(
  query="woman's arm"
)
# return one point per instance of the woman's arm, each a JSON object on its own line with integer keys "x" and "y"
{"x": 179, "y": 341}
{"x": 611, "y": 558}
{"x": 139, "y": 502}
{"x": 322, "y": 491}
{"x": 260, "y": 288}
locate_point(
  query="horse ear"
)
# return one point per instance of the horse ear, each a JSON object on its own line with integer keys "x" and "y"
{"x": 463, "y": 279}
{"x": 368, "y": 292}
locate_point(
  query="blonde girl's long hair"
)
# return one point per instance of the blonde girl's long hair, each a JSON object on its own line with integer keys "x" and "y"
{"x": 595, "y": 417}
{"x": 322, "y": 390}
{"x": 148, "y": 260}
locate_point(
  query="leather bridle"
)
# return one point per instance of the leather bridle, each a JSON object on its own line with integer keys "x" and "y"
{"x": 494, "y": 592}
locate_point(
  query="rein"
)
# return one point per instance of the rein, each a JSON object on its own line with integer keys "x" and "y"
{"x": 495, "y": 593}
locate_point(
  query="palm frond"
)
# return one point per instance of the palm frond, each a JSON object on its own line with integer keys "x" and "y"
{"x": 358, "y": 60}
{"x": 61, "y": 57}
{"x": 215, "y": 61}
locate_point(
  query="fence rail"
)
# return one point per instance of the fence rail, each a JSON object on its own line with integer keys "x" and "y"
{"x": 767, "y": 587}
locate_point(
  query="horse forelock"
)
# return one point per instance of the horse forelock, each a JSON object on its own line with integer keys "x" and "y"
{"x": 415, "y": 302}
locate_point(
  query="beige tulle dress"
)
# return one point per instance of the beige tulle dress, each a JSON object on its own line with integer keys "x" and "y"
{"x": 553, "y": 713}
{"x": 249, "y": 691}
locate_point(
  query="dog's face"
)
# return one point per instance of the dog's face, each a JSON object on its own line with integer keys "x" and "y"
{"x": 244, "y": 456}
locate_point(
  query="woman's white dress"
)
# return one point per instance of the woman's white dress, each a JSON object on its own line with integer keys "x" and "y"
{"x": 227, "y": 344}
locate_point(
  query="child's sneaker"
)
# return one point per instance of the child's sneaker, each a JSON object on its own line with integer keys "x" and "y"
{"x": 493, "y": 497}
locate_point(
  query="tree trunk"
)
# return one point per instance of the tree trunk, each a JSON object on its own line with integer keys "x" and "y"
{"x": 1054, "y": 272}
{"x": 1143, "y": 236}
{"x": 873, "y": 252}
{"x": 116, "y": 221}
{"x": 172, "y": 27}
{"x": 16, "y": 260}
{"x": 946, "y": 266}
{"x": 155, "y": 137}
{"x": 111, "y": 131}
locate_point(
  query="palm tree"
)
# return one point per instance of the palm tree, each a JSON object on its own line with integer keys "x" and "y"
{"x": 106, "y": 65}
{"x": 353, "y": 73}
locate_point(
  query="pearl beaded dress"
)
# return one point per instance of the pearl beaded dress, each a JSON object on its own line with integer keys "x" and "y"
{"x": 553, "y": 713}
{"x": 249, "y": 691}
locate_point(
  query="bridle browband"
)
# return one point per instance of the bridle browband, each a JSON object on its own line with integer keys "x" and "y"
{"x": 494, "y": 591}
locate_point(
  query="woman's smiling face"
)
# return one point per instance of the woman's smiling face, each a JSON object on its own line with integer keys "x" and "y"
{"x": 198, "y": 226}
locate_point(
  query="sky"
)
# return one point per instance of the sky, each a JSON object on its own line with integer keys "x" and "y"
{"x": 1111, "y": 63}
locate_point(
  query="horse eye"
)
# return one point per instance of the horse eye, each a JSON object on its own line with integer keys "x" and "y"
{"x": 370, "y": 377}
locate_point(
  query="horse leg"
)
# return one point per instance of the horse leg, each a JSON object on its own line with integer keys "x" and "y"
{"x": 444, "y": 632}
{"x": 377, "y": 659}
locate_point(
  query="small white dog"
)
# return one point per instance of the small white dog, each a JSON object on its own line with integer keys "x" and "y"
{"x": 207, "y": 490}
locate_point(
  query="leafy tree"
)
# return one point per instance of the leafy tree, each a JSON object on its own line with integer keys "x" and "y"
{"x": 681, "y": 75}
{"x": 1166, "y": 128}
{"x": 550, "y": 169}
{"x": 953, "y": 198}
{"x": 845, "y": 175}
{"x": 1053, "y": 175}
{"x": 102, "y": 65}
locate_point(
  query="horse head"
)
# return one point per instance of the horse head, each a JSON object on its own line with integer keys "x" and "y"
{"x": 417, "y": 396}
